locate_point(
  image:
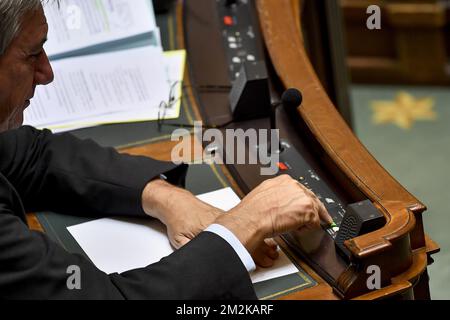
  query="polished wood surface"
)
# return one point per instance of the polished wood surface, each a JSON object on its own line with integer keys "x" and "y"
{"x": 324, "y": 39}
{"x": 399, "y": 247}
{"x": 34, "y": 223}
{"x": 411, "y": 46}
{"x": 160, "y": 151}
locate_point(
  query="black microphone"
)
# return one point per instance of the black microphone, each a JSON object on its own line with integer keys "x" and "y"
{"x": 290, "y": 100}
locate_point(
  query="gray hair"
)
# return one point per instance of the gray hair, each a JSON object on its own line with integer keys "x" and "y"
{"x": 11, "y": 14}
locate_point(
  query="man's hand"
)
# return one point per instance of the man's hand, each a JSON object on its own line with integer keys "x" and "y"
{"x": 185, "y": 216}
{"x": 275, "y": 207}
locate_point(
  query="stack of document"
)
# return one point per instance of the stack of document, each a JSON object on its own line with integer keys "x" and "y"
{"x": 97, "y": 81}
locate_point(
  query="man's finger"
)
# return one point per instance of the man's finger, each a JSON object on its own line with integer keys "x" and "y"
{"x": 271, "y": 243}
{"x": 263, "y": 260}
{"x": 324, "y": 215}
{"x": 272, "y": 253}
{"x": 179, "y": 242}
{"x": 266, "y": 253}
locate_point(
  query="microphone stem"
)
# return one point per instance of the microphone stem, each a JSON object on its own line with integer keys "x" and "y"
{"x": 273, "y": 126}
{"x": 273, "y": 117}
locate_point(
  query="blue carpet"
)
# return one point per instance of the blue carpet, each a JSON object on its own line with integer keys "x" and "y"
{"x": 419, "y": 158}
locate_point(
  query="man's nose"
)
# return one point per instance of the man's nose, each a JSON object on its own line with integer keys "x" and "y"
{"x": 43, "y": 72}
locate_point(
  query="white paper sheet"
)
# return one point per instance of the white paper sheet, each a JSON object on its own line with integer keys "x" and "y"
{"x": 224, "y": 199}
{"x": 132, "y": 80}
{"x": 174, "y": 63}
{"x": 119, "y": 245}
{"x": 282, "y": 267}
{"x": 80, "y": 24}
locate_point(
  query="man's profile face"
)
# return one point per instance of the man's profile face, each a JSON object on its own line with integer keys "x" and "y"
{"x": 23, "y": 66}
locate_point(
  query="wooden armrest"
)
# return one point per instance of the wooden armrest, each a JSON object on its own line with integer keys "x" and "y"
{"x": 344, "y": 155}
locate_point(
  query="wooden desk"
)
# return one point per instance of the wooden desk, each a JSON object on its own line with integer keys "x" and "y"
{"x": 318, "y": 131}
{"x": 323, "y": 291}
{"x": 162, "y": 151}
{"x": 401, "y": 247}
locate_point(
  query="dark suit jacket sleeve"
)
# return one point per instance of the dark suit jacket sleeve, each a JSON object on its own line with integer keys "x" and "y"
{"x": 64, "y": 174}
{"x": 34, "y": 267}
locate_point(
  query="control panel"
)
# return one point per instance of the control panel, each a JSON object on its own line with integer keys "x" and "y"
{"x": 241, "y": 41}
{"x": 234, "y": 61}
{"x": 243, "y": 46}
{"x": 293, "y": 164}
{"x": 244, "y": 51}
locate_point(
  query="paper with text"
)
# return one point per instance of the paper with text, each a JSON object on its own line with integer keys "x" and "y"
{"x": 75, "y": 25}
{"x": 119, "y": 245}
{"x": 175, "y": 62}
{"x": 94, "y": 85}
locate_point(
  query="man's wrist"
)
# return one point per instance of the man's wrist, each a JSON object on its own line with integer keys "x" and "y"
{"x": 246, "y": 230}
{"x": 156, "y": 199}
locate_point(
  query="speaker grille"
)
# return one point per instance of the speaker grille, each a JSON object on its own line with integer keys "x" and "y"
{"x": 348, "y": 229}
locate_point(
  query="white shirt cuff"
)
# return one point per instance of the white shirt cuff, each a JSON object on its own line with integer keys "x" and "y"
{"x": 234, "y": 242}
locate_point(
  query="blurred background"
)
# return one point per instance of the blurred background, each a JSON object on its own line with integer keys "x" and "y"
{"x": 395, "y": 77}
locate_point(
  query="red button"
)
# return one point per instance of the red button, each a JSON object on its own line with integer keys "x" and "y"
{"x": 282, "y": 166}
{"x": 229, "y": 21}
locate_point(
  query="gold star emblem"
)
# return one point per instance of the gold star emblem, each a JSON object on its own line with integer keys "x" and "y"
{"x": 404, "y": 110}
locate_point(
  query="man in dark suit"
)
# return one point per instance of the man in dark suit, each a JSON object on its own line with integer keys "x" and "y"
{"x": 42, "y": 171}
